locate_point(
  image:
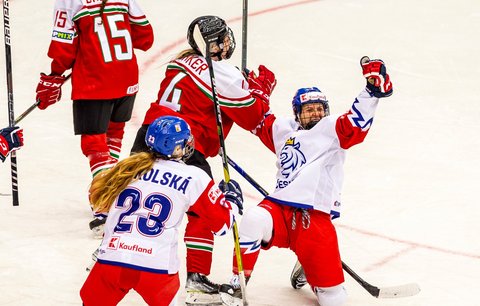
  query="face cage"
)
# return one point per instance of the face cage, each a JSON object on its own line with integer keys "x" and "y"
{"x": 221, "y": 45}
{"x": 311, "y": 124}
{"x": 189, "y": 148}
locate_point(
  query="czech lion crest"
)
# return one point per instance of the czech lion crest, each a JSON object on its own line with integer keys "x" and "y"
{"x": 291, "y": 158}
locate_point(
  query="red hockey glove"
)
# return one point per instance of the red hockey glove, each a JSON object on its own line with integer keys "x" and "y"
{"x": 49, "y": 89}
{"x": 263, "y": 84}
{"x": 378, "y": 80}
{"x": 11, "y": 139}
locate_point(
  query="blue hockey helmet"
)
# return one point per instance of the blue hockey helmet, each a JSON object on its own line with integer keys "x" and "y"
{"x": 170, "y": 136}
{"x": 214, "y": 30}
{"x": 309, "y": 95}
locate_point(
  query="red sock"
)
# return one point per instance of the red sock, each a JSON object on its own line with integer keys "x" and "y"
{"x": 248, "y": 261}
{"x": 199, "y": 241}
{"x": 95, "y": 148}
{"x": 115, "y": 133}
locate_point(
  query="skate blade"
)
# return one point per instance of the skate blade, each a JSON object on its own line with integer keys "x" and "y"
{"x": 200, "y": 298}
{"x": 90, "y": 266}
{"x": 97, "y": 232}
{"x": 229, "y": 300}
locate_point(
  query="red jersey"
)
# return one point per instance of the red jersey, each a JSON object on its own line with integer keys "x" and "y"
{"x": 99, "y": 50}
{"x": 186, "y": 92}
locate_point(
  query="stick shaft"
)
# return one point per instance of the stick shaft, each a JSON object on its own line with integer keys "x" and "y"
{"x": 226, "y": 173}
{"x": 244, "y": 34}
{"x": 11, "y": 116}
{"x": 26, "y": 112}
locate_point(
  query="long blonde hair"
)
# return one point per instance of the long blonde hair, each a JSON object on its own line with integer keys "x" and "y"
{"x": 185, "y": 53}
{"x": 107, "y": 185}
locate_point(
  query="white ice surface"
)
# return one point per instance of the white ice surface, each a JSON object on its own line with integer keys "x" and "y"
{"x": 410, "y": 200}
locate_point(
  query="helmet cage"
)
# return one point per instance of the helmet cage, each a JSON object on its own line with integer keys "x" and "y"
{"x": 214, "y": 31}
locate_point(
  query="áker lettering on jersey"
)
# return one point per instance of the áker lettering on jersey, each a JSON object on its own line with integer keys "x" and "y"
{"x": 167, "y": 179}
{"x": 197, "y": 64}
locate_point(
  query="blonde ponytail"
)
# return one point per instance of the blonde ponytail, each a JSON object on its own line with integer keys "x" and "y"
{"x": 107, "y": 185}
{"x": 185, "y": 53}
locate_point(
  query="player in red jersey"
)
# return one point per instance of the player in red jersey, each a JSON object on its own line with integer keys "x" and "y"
{"x": 186, "y": 92}
{"x": 96, "y": 39}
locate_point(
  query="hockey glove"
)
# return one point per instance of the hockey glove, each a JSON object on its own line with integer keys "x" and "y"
{"x": 11, "y": 139}
{"x": 378, "y": 80}
{"x": 233, "y": 194}
{"x": 49, "y": 90}
{"x": 262, "y": 85}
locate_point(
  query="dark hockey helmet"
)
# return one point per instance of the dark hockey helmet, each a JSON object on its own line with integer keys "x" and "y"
{"x": 170, "y": 136}
{"x": 309, "y": 95}
{"x": 214, "y": 30}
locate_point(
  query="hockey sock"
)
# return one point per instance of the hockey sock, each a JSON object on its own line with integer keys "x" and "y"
{"x": 256, "y": 227}
{"x": 95, "y": 148}
{"x": 199, "y": 241}
{"x": 115, "y": 133}
{"x": 249, "y": 257}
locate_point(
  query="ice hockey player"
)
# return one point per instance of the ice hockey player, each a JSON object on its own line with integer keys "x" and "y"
{"x": 186, "y": 92}
{"x": 146, "y": 196}
{"x": 310, "y": 151}
{"x": 11, "y": 139}
{"x": 96, "y": 39}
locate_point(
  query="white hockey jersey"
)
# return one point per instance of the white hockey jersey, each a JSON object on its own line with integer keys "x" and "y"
{"x": 310, "y": 162}
{"x": 141, "y": 231}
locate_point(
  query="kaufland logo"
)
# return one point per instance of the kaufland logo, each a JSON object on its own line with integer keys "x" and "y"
{"x": 312, "y": 96}
{"x": 116, "y": 244}
{"x": 134, "y": 248}
{"x": 113, "y": 243}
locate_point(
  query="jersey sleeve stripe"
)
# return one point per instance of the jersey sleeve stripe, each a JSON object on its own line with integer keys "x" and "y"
{"x": 86, "y": 11}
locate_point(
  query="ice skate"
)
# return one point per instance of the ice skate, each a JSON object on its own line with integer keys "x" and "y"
{"x": 201, "y": 291}
{"x": 96, "y": 225}
{"x": 298, "y": 278}
{"x": 93, "y": 260}
{"x": 231, "y": 294}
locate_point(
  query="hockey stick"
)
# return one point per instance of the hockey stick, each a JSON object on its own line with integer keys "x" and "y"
{"x": 26, "y": 112}
{"x": 385, "y": 292}
{"x": 11, "y": 116}
{"x": 244, "y": 34}
{"x": 226, "y": 173}
{"x": 247, "y": 177}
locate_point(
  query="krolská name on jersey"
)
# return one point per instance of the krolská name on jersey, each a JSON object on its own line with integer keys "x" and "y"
{"x": 168, "y": 179}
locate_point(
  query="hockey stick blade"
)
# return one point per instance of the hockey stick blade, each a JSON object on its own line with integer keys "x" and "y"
{"x": 386, "y": 292}
{"x": 398, "y": 291}
{"x": 392, "y": 292}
